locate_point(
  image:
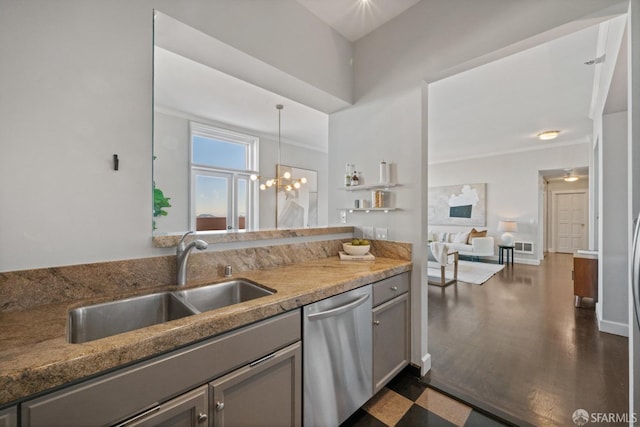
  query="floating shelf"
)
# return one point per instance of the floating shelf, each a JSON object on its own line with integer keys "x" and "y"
{"x": 370, "y": 187}
{"x": 367, "y": 210}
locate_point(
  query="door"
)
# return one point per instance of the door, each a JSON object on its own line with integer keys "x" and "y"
{"x": 187, "y": 410}
{"x": 571, "y": 222}
{"x": 265, "y": 393}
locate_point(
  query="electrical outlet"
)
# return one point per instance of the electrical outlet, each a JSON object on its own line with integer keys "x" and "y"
{"x": 367, "y": 232}
{"x": 343, "y": 217}
{"x": 381, "y": 233}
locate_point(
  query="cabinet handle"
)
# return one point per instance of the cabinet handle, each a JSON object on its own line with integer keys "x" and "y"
{"x": 219, "y": 406}
{"x": 394, "y": 288}
{"x": 202, "y": 417}
{"x": 376, "y": 322}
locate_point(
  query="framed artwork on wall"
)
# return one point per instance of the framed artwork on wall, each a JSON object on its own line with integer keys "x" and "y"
{"x": 297, "y": 208}
{"x": 464, "y": 204}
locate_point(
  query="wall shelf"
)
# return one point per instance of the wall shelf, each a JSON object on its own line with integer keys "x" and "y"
{"x": 370, "y": 187}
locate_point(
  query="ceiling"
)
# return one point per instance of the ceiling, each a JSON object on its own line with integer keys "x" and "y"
{"x": 194, "y": 89}
{"x": 500, "y": 107}
{"x": 355, "y": 19}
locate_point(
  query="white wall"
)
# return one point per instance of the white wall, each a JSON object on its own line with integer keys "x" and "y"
{"x": 614, "y": 250}
{"x": 171, "y": 169}
{"x": 512, "y": 187}
{"x": 76, "y": 85}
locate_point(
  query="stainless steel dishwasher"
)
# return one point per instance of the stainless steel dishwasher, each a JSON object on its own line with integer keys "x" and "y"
{"x": 337, "y": 357}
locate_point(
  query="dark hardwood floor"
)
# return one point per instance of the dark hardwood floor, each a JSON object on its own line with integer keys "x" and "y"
{"x": 516, "y": 347}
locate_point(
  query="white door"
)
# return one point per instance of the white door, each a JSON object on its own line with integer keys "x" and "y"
{"x": 571, "y": 219}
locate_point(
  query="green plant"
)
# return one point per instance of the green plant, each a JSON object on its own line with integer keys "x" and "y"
{"x": 159, "y": 203}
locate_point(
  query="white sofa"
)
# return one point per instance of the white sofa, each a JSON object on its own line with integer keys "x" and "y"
{"x": 459, "y": 241}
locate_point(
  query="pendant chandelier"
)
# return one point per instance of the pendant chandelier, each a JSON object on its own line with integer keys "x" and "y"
{"x": 284, "y": 182}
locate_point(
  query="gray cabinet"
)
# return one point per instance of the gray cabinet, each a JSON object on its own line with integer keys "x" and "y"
{"x": 127, "y": 392}
{"x": 188, "y": 410}
{"x": 264, "y": 393}
{"x": 391, "y": 330}
{"x": 8, "y": 417}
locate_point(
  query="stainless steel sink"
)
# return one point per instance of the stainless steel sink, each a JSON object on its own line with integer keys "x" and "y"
{"x": 103, "y": 320}
{"x": 220, "y": 295}
{"x": 111, "y": 318}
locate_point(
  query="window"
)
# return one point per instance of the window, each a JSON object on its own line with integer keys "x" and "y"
{"x": 222, "y": 195}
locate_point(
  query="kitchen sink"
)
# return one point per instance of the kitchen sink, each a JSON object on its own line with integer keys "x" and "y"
{"x": 220, "y": 295}
{"x": 111, "y": 318}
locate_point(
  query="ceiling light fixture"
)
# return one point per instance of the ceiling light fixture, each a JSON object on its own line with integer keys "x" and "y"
{"x": 569, "y": 176}
{"x": 285, "y": 181}
{"x": 548, "y": 134}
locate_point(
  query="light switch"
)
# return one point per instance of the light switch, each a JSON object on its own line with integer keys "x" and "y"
{"x": 343, "y": 217}
{"x": 381, "y": 233}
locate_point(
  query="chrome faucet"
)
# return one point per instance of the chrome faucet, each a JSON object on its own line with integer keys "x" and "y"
{"x": 183, "y": 255}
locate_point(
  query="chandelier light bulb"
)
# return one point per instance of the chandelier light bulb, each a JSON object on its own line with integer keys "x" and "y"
{"x": 269, "y": 183}
{"x": 296, "y": 185}
{"x": 288, "y": 188}
{"x": 263, "y": 187}
{"x": 303, "y": 180}
{"x": 253, "y": 177}
{"x": 287, "y": 175}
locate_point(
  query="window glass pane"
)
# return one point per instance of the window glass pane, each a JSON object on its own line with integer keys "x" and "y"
{"x": 212, "y": 152}
{"x": 243, "y": 198}
{"x": 212, "y": 202}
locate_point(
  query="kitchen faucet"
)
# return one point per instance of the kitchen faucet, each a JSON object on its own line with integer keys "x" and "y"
{"x": 183, "y": 255}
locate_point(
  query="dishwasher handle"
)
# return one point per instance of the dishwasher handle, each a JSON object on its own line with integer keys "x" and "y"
{"x": 338, "y": 310}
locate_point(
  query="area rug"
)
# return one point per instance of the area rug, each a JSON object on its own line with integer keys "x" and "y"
{"x": 468, "y": 271}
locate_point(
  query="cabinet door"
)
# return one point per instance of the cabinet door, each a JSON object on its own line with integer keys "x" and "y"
{"x": 585, "y": 277}
{"x": 187, "y": 410}
{"x": 8, "y": 417}
{"x": 390, "y": 340}
{"x": 265, "y": 393}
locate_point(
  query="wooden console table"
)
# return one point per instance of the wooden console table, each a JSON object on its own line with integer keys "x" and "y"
{"x": 585, "y": 277}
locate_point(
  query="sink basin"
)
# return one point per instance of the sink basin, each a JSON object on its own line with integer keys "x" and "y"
{"x": 111, "y": 318}
{"x": 103, "y": 320}
{"x": 223, "y": 294}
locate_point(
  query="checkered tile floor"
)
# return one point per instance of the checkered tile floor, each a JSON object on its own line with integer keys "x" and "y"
{"x": 406, "y": 401}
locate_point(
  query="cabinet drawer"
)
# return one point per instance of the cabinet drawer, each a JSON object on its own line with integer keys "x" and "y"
{"x": 389, "y": 288}
{"x": 119, "y": 395}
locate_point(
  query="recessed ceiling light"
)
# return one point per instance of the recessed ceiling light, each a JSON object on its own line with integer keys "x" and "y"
{"x": 548, "y": 134}
{"x": 570, "y": 178}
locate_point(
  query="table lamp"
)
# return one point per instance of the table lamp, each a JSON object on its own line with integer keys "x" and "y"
{"x": 508, "y": 227}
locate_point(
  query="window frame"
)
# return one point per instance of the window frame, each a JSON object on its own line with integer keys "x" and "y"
{"x": 251, "y": 144}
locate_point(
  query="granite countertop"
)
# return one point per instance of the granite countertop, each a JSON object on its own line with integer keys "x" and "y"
{"x": 35, "y": 356}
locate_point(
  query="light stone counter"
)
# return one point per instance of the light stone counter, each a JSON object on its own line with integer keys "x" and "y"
{"x": 35, "y": 356}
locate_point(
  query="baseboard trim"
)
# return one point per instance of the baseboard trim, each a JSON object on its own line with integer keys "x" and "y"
{"x": 426, "y": 364}
{"x": 516, "y": 260}
{"x": 615, "y": 328}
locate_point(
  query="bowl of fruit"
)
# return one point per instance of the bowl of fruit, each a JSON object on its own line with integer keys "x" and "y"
{"x": 357, "y": 247}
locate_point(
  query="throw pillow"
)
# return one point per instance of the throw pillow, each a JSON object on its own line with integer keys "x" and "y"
{"x": 461, "y": 237}
{"x": 475, "y": 233}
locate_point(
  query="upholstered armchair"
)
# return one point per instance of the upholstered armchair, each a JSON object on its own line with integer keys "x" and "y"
{"x": 440, "y": 257}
